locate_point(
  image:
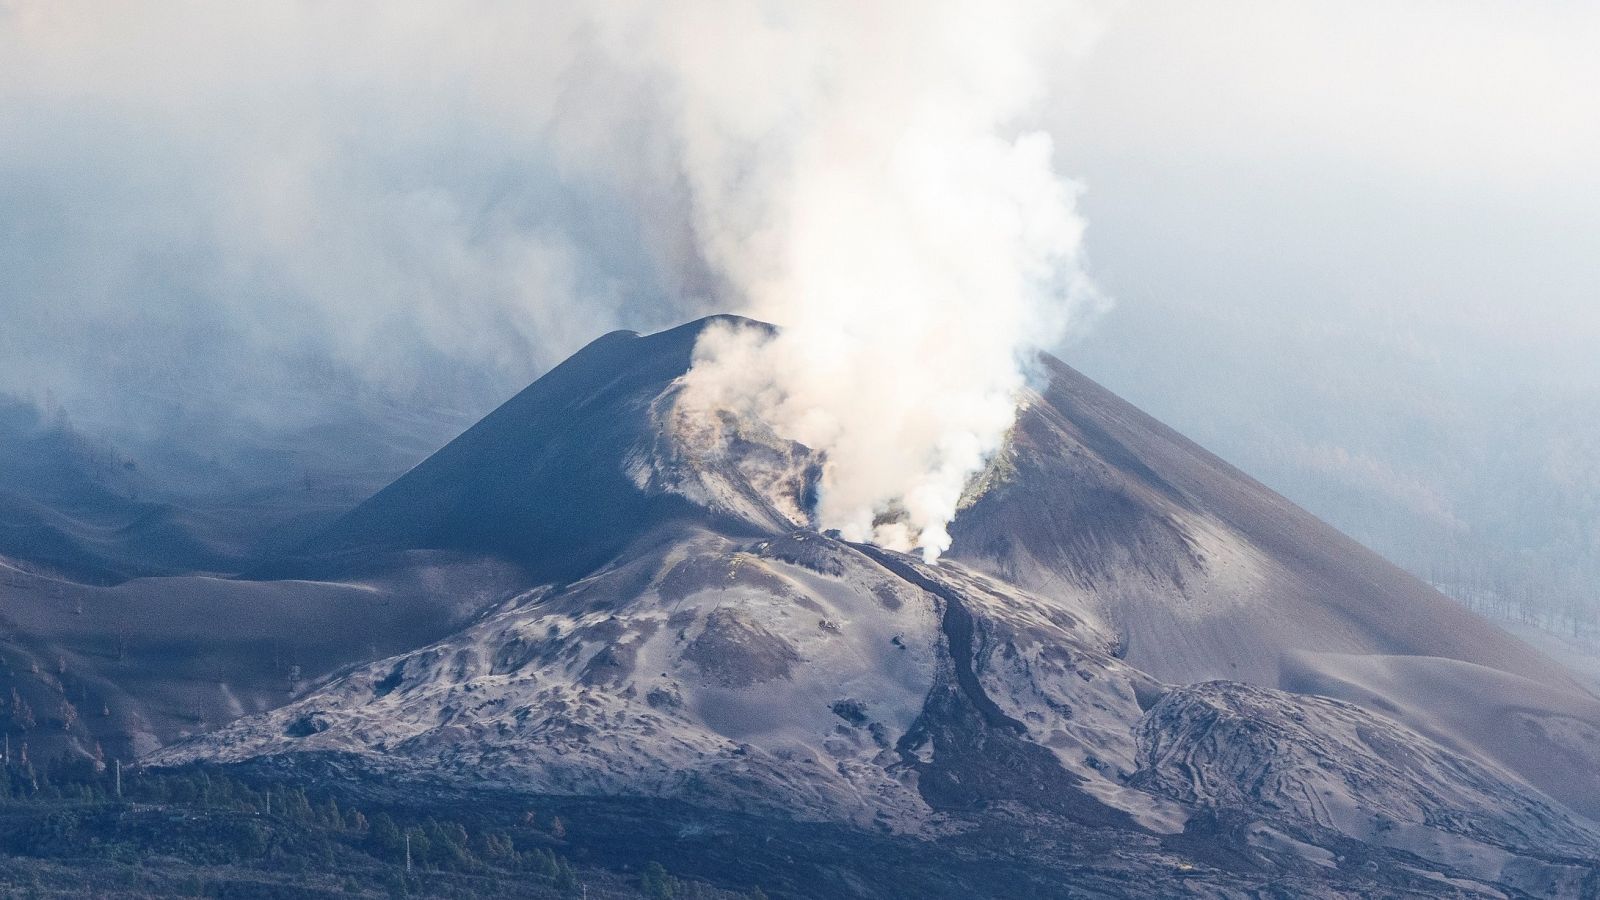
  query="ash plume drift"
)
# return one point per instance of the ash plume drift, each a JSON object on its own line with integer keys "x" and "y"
{"x": 857, "y": 175}
{"x": 401, "y": 190}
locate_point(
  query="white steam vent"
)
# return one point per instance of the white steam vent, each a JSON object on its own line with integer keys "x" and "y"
{"x": 862, "y": 175}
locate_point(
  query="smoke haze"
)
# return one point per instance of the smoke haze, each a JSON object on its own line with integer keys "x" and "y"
{"x": 229, "y": 208}
{"x": 877, "y": 200}
{"x": 403, "y": 192}
{"x": 1353, "y": 243}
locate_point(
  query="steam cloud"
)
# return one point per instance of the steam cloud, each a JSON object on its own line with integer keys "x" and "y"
{"x": 859, "y": 177}
{"x": 411, "y": 195}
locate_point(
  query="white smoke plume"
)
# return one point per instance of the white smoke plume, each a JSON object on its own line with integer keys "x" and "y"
{"x": 861, "y": 175}
{"x": 242, "y": 199}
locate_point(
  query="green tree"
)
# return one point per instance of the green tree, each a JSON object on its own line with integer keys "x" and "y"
{"x": 384, "y": 838}
{"x": 566, "y": 878}
{"x": 656, "y": 883}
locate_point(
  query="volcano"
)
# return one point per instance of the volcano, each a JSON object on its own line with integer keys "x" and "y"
{"x": 1141, "y": 661}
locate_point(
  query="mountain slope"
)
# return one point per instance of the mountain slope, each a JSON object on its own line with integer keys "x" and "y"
{"x": 792, "y": 673}
{"x": 685, "y": 635}
{"x": 1204, "y": 573}
{"x": 122, "y": 670}
{"x": 70, "y": 505}
{"x": 800, "y": 677}
{"x": 1100, "y": 497}
{"x": 544, "y": 480}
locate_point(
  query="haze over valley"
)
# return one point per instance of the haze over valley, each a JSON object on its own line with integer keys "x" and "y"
{"x": 830, "y": 450}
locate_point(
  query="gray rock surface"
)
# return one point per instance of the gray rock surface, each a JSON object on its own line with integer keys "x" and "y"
{"x": 685, "y": 634}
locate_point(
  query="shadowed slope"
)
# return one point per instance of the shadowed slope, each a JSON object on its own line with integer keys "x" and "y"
{"x": 1205, "y": 572}
{"x": 1202, "y": 571}
{"x": 686, "y": 637}
{"x": 542, "y": 481}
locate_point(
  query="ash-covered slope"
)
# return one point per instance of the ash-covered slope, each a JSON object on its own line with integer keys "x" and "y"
{"x": 800, "y": 677}
{"x": 118, "y": 671}
{"x": 686, "y": 636}
{"x": 71, "y": 506}
{"x": 794, "y": 674}
{"x": 551, "y": 480}
{"x": 1203, "y": 573}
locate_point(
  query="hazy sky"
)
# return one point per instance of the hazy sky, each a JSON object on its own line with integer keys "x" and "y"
{"x": 1356, "y": 248}
{"x": 1353, "y": 246}
{"x": 1421, "y": 173}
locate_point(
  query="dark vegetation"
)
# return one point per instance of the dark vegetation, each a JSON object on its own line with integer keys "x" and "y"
{"x": 72, "y": 827}
{"x": 209, "y": 832}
